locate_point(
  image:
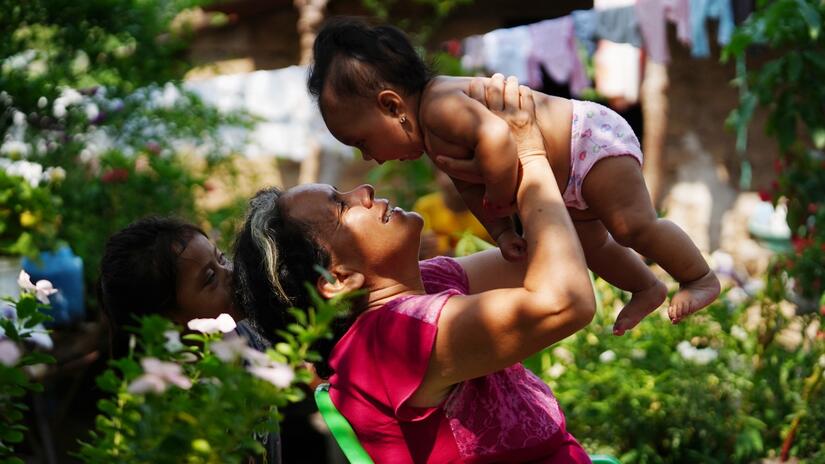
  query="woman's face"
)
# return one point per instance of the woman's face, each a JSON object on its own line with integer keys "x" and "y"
{"x": 367, "y": 234}
{"x": 204, "y": 288}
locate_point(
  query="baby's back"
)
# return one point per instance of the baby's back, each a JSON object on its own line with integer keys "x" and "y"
{"x": 554, "y": 115}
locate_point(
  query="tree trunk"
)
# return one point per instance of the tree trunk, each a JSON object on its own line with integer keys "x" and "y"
{"x": 310, "y": 16}
{"x": 655, "y": 112}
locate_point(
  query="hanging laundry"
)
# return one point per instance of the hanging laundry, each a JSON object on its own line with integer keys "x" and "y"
{"x": 618, "y": 72}
{"x": 584, "y": 26}
{"x": 651, "y": 16}
{"x": 554, "y": 49}
{"x": 290, "y": 123}
{"x": 678, "y": 12}
{"x": 619, "y": 25}
{"x": 473, "y": 49}
{"x": 700, "y": 11}
{"x": 506, "y": 51}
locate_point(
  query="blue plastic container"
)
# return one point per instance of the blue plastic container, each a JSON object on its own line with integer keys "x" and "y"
{"x": 65, "y": 271}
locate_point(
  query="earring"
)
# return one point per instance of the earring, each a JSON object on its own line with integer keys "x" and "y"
{"x": 403, "y": 119}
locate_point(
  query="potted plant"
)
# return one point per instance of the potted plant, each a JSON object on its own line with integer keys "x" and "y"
{"x": 29, "y": 216}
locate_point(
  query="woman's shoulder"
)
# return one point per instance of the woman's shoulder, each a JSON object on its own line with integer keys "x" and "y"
{"x": 443, "y": 273}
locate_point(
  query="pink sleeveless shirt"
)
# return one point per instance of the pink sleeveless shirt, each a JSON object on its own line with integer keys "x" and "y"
{"x": 507, "y": 416}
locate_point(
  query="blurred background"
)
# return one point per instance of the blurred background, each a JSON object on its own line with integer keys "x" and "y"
{"x": 114, "y": 109}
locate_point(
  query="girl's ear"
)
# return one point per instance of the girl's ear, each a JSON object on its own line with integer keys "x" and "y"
{"x": 391, "y": 103}
{"x": 338, "y": 281}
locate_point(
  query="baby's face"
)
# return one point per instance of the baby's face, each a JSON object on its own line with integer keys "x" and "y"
{"x": 378, "y": 135}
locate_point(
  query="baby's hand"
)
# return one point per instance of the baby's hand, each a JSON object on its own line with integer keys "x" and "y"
{"x": 513, "y": 247}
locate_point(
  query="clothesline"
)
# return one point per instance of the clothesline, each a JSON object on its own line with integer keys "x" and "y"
{"x": 615, "y": 35}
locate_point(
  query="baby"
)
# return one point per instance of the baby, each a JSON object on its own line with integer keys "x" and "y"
{"x": 376, "y": 94}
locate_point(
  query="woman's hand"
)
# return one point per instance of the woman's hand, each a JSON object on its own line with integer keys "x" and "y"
{"x": 513, "y": 103}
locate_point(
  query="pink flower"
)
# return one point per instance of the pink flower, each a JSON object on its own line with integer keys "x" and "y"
{"x": 157, "y": 376}
{"x": 9, "y": 353}
{"x": 42, "y": 289}
{"x": 223, "y": 323}
{"x": 229, "y": 350}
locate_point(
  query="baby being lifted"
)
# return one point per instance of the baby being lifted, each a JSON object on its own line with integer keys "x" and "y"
{"x": 376, "y": 94}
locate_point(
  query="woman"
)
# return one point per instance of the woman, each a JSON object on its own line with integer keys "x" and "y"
{"x": 168, "y": 267}
{"x": 427, "y": 369}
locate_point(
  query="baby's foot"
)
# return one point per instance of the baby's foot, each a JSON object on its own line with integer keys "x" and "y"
{"x": 693, "y": 296}
{"x": 641, "y": 304}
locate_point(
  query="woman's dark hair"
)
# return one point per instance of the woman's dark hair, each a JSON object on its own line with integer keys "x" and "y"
{"x": 138, "y": 273}
{"x": 358, "y": 60}
{"x": 274, "y": 257}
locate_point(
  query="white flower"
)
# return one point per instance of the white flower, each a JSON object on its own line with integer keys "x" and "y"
{"x": 737, "y": 296}
{"x": 607, "y": 356}
{"x": 173, "y": 343}
{"x": 822, "y": 361}
{"x": 638, "y": 353}
{"x": 31, "y": 172}
{"x": 738, "y": 333}
{"x": 54, "y": 174}
{"x": 229, "y": 350}
{"x": 691, "y": 354}
{"x": 556, "y": 370}
{"x": 223, "y": 323}
{"x": 92, "y": 111}
{"x": 40, "y": 337}
{"x": 256, "y": 358}
{"x": 563, "y": 354}
{"x": 42, "y": 102}
{"x": 19, "y": 118}
{"x": 278, "y": 374}
{"x": 14, "y": 147}
{"x": 42, "y": 289}
{"x": 9, "y": 353}
{"x": 157, "y": 376}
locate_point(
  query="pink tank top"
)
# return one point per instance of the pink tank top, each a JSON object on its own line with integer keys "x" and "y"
{"x": 510, "y": 415}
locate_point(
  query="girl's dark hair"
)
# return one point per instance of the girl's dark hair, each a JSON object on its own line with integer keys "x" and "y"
{"x": 138, "y": 273}
{"x": 359, "y": 60}
{"x": 274, "y": 256}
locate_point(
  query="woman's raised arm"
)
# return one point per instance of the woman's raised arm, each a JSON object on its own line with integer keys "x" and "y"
{"x": 489, "y": 331}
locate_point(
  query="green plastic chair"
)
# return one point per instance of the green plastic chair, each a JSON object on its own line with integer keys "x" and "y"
{"x": 348, "y": 441}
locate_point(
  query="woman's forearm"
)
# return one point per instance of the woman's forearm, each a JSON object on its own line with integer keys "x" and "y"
{"x": 556, "y": 263}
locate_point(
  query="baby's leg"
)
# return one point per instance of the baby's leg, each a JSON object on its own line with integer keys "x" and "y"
{"x": 622, "y": 268}
{"x": 615, "y": 191}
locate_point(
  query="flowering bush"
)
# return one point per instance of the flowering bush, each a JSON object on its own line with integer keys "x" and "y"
{"x": 789, "y": 86}
{"x": 95, "y": 91}
{"x": 28, "y": 210}
{"x": 205, "y": 402}
{"x": 21, "y": 322}
{"x": 715, "y": 388}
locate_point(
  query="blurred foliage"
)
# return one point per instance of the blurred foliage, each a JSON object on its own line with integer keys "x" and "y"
{"x": 20, "y": 319}
{"x": 225, "y": 395}
{"x": 29, "y": 214}
{"x": 94, "y": 87}
{"x": 789, "y": 86}
{"x": 713, "y": 389}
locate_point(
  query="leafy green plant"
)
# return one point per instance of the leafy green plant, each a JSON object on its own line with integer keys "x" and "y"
{"x": 205, "y": 402}
{"x": 788, "y": 85}
{"x": 715, "y": 388}
{"x": 21, "y": 319}
{"x": 28, "y": 210}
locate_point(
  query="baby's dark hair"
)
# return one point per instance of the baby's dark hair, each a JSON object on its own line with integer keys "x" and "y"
{"x": 274, "y": 256}
{"x": 358, "y": 59}
{"x": 138, "y": 273}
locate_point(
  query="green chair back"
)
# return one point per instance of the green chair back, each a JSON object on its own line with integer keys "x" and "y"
{"x": 348, "y": 441}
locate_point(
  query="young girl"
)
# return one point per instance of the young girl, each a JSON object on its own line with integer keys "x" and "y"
{"x": 168, "y": 267}
{"x": 376, "y": 94}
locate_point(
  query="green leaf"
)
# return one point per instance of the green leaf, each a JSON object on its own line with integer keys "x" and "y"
{"x": 812, "y": 18}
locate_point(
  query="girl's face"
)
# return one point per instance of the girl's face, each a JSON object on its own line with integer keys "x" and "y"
{"x": 372, "y": 128}
{"x": 204, "y": 288}
{"x": 366, "y": 234}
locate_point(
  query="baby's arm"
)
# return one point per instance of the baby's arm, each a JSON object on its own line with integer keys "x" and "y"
{"x": 457, "y": 119}
{"x": 501, "y": 229}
